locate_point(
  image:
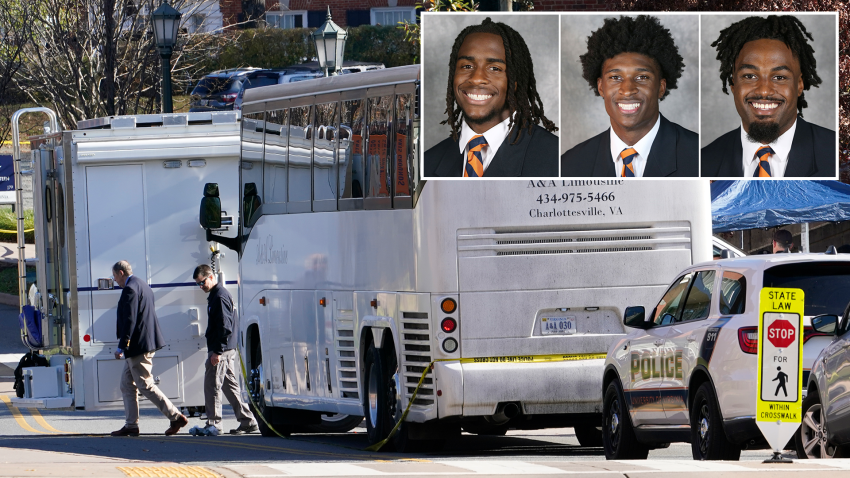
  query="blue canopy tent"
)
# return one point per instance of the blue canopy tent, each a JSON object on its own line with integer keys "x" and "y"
{"x": 737, "y": 205}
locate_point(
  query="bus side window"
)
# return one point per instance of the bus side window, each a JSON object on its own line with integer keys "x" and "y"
{"x": 324, "y": 157}
{"x": 252, "y": 160}
{"x": 350, "y": 155}
{"x": 378, "y": 167}
{"x": 405, "y": 164}
{"x": 300, "y": 159}
{"x": 274, "y": 160}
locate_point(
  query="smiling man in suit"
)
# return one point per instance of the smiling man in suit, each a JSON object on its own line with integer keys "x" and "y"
{"x": 491, "y": 82}
{"x": 768, "y": 64}
{"x": 633, "y": 63}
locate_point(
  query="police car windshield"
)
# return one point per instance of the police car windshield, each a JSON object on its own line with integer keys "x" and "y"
{"x": 825, "y": 284}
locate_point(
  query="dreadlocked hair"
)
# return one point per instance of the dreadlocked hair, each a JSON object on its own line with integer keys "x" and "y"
{"x": 785, "y": 28}
{"x": 523, "y": 99}
{"x": 641, "y": 34}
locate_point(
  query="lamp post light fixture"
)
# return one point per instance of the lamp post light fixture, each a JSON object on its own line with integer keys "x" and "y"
{"x": 330, "y": 45}
{"x": 166, "y": 20}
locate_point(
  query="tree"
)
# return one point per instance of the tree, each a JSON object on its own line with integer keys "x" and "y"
{"x": 412, "y": 32}
{"x": 13, "y": 34}
{"x": 94, "y": 58}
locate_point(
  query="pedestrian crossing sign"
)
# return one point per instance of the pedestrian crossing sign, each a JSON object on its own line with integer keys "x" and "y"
{"x": 779, "y": 385}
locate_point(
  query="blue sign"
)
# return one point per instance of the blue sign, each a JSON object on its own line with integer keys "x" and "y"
{"x": 7, "y": 179}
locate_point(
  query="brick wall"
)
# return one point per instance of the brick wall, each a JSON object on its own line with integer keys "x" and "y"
{"x": 572, "y": 5}
{"x": 230, "y": 9}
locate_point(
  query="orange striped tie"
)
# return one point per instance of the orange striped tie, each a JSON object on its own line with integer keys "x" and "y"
{"x": 474, "y": 162}
{"x": 763, "y": 169}
{"x": 628, "y": 155}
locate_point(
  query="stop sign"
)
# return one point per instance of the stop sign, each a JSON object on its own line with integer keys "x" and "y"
{"x": 781, "y": 333}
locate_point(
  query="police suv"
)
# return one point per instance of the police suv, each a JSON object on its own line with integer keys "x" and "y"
{"x": 686, "y": 372}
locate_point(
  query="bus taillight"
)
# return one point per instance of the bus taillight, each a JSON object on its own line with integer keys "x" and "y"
{"x": 448, "y": 325}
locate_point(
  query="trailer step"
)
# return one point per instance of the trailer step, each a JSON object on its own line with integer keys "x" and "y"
{"x": 50, "y": 402}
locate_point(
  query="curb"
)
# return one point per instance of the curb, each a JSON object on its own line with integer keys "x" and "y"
{"x": 9, "y": 299}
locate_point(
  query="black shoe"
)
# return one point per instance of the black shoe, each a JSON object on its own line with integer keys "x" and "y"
{"x": 252, "y": 428}
{"x": 126, "y": 431}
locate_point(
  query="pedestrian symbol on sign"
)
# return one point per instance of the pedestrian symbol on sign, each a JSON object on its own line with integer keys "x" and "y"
{"x": 782, "y": 377}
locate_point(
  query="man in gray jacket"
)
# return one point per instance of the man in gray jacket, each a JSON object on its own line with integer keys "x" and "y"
{"x": 139, "y": 337}
{"x": 221, "y": 349}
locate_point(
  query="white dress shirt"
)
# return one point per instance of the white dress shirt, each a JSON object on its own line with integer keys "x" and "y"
{"x": 642, "y": 147}
{"x": 778, "y": 161}
{"x": 495, "y": 136}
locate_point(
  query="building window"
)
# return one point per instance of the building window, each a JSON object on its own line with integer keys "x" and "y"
{"x": 289, "y": 19}
{"x": 393, "y": 16}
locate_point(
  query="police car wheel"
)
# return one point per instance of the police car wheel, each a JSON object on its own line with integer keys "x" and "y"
{"x": 618, "y": 436}
{"x": 811, "y": 437}
{"x": 708, "y": 439}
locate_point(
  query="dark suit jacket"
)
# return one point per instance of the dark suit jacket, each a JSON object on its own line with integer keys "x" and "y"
{"x": 221, "y": 321}
{"x": 535, "y": 155}
{"x": 137, "y": 327}
{"x": 674, "y": 153}
{"x": 812, "y": 154}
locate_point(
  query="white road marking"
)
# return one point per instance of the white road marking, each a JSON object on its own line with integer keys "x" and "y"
{"x": 684, "y": 466}
{"x": 324, "y": 469}
{"x": 504, "y": 467}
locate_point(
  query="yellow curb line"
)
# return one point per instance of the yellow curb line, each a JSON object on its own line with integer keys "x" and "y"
{"x": 20, "y": 418}
{"x": 41, "y": 421}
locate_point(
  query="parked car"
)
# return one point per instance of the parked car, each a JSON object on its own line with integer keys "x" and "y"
{"x": 218, "y": 90}
{"x": 825, "y": 430}
{"x": 686, "y": 371}
{"x": 293, "y": 74}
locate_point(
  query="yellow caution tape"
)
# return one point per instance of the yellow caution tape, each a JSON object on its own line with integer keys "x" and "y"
{"x": 15, "y": 232}
{"x": 502, "y": 359}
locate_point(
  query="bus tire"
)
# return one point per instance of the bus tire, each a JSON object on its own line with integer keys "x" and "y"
{"x": 618, "y": 436}
{"x": 377, "y": 403}
{"x": 708, "y": 439}
{"x": 336, "y": 423}
{"x": 588, "y": 436}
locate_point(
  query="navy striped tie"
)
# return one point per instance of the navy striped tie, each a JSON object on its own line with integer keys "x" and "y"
{"x": 763, "y": 169}
{"x": 474, "y": 161}
{"x": 628, "y": 155}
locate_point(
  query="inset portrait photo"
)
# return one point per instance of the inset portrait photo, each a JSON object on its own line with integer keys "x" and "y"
{"x": 489, "y": 95}
{"x": 769, "y": 95}
{"x": 629, "y": 95}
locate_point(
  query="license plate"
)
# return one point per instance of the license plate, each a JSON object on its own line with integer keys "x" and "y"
{"x": 558, "y": 325}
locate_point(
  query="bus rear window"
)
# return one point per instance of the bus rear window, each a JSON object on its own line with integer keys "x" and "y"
{"x": 825, "y": 284}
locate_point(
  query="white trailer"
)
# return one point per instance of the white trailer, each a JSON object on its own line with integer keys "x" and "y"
{"x": 122, "y": 188}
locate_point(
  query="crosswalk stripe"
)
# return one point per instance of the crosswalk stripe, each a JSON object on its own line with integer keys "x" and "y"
{"x": 516, "y": 467}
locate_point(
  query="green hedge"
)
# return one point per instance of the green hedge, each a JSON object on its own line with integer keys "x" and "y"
{"x": 9, "y": 222}
{"x": 277, "y": 48}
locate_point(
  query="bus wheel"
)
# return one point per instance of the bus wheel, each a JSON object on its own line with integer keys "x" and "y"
{"x": 377, "y": 408}
{"x": 708, "y": 439}
{"x": 336, "y": 423}
{"x": 618, "y": 436}
{"x": 588, "y": 435}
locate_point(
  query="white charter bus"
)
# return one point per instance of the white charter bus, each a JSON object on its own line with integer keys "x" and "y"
{"x": 355, "y": 276}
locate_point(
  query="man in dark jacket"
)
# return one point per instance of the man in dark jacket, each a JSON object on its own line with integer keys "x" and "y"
{"x": 138, "y": 339}
{"x": 221, "y": 355}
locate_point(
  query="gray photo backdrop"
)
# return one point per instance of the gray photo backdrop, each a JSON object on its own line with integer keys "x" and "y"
{"x": 540, "y": 32}
{"x": 583, "y": 113}
{"x": 718, "y": 109}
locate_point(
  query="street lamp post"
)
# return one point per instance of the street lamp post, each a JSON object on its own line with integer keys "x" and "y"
{"x": 330, "y": 45}
{"x": 165, "y": 21}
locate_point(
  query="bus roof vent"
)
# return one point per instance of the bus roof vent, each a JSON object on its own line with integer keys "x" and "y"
{"x": 170, "y": 119}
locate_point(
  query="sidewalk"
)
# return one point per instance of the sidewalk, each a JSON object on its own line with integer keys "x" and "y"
{"x": 9, "y": 252}
{"x": 43, "y": 464}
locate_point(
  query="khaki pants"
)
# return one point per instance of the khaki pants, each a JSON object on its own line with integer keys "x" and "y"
{"x": 221, "y": 378}
{"x": 137, "y": 377}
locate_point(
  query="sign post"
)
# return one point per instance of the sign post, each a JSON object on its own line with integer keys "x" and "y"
{"x": 779, "y": 388}
{"x": 7, "y": 180}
